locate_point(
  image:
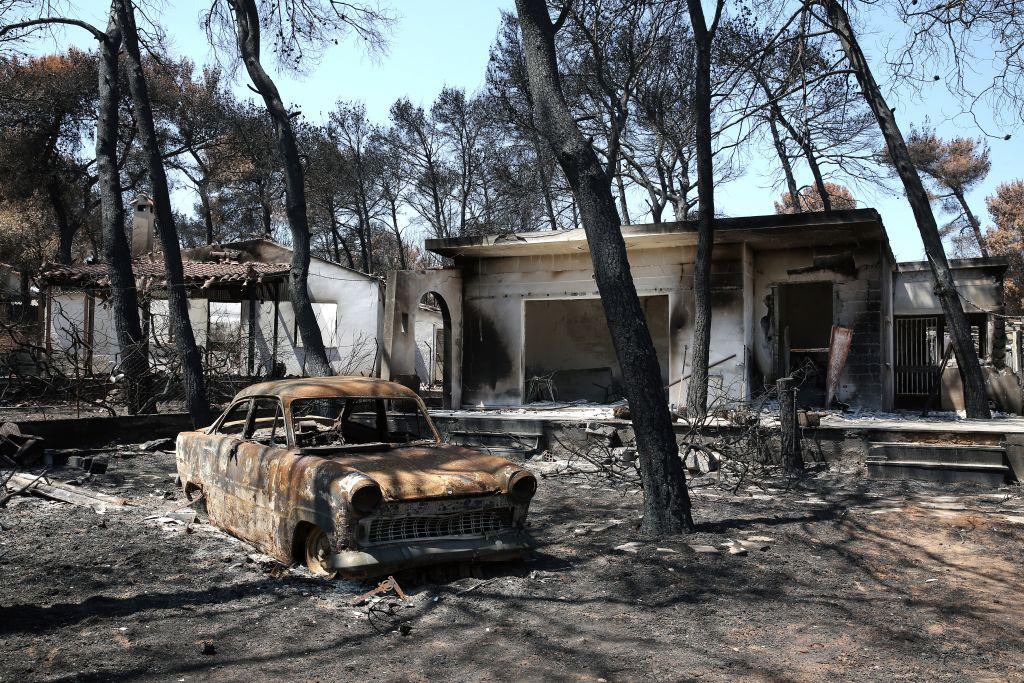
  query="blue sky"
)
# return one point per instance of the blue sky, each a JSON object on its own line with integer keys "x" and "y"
{"x": 446, "y": 42}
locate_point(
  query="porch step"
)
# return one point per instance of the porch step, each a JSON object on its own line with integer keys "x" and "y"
{"x": 938, "y": 462}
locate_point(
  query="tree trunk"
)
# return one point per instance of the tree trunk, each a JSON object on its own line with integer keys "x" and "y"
{"x": 177, "y": 297}
{"x": 697, "y": 390}
{"x": 975, "y": 399}
{"x": 204, "y": 198}
{"x": 65, "y": 228}
{"x": 623, "y": 207}
{"x": 247, "y": 29}
{"x": 666, "y": 499}
{"x": 398, "y": 233}
{"x": 792, "y": 460}
{"x": 975, "y": 224}
{"x": 787, "y": 167}
{"x": 803, "y": 139}
{"x": 116, "y": 252}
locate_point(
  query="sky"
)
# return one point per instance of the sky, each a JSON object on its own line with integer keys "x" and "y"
{"x": 435, "y": 43}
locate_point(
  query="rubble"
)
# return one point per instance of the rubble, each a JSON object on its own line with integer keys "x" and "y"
{"x": 19, "y": 449}
{"x": 632, "y": 547}
{"x": 68, "y": 493}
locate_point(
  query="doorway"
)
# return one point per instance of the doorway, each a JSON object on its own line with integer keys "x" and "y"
{"x": 569, "y": 355}
{"x": 803, "y": 319}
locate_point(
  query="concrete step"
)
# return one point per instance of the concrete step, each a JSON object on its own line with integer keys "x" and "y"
{"x": 942, "y": 472}
{"x": 945, "y": 463}
{"x": 949, "y": 453}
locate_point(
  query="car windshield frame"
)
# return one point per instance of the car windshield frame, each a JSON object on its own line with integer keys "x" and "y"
{"x": 421, "y": 409}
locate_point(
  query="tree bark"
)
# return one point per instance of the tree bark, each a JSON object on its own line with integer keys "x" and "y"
{"x": 697, "y": 389}
{"x": 975, "y": 399}
{"x": 666, "y": 499}
{"x": 177, "y": 297}
{"x": 247, "y": 30}
{"x": 116, "y": 252}
{"x": 973, "y": 221}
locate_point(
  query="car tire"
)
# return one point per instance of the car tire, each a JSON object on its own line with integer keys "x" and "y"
{"x": 317, "y": 549}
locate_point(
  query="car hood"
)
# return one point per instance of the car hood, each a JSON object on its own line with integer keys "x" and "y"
{"x": 427, "y": 471}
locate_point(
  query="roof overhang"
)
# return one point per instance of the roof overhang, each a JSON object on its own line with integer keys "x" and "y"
{"x": 780, "y": 231}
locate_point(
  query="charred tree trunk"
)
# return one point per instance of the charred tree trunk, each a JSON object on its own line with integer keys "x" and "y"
{"x": 973, "y": 221}
{"x": 204, "y": 198}
{"x": 623, "y": 207}
{"x": 975, "y": 399}
{"x": 398, "y": 233}
{"x": 787, "y": 167}
{"x": 666, "y": 499}
{"x": 116, "y": 252}
{"x": 247, "y": 30}
{"x": 697, "y": 390}
{"x": 789, "y": 432}
{"x": 177, "y": 297}
{"x": 803, "y": 139}
{"x": 65, "y": 228}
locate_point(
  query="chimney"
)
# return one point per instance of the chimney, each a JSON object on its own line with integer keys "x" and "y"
{"x": 143, "y": 227}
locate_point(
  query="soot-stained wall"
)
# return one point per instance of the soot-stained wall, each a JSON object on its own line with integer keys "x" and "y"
{"x": 495, "y": 293}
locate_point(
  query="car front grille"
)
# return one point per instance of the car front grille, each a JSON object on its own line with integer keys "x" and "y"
{"x": 424, "y": 527}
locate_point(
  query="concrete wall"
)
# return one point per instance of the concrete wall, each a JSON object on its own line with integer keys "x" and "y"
{"x": 914, "y": 291}
{"x": 405, "y": 290}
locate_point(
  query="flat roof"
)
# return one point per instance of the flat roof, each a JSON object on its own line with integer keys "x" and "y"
{"x": 996, "y": 263}
{"x": 763, "y": 232}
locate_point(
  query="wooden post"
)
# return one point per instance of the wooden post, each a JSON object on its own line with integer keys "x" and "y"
{"x": 792, "y": 460}
{"x": 251, "y": 355}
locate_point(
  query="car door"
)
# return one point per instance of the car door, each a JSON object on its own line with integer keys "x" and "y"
{"x": 218, "y": 450}
{"x": 253, "y": 466}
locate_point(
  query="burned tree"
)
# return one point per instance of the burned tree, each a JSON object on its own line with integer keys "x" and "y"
{"x": 975, "y": 399}
{"x": 703, "y": 36}
{"x": 666, "y": 500}
{"x": 297, "y": 26}
{"x": 184, "y": 339}
{"x": 116, "y": 252}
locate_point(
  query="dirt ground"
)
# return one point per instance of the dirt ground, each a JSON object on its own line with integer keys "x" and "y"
{"x": 859, "y": 580}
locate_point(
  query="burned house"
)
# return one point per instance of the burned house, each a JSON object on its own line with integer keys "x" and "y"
{"x": 526, "y": 321}
{"x": 239, "y": 308}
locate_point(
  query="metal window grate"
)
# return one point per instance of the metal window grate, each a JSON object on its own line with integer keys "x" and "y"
{"x": 469, "y": 523}
{"x": 918, "y": 354}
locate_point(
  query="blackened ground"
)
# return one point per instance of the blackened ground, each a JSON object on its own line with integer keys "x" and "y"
{"x": 861, "y": 580}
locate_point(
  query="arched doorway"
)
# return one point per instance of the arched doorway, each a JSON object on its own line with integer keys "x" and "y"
{"x": 433, "y": 331}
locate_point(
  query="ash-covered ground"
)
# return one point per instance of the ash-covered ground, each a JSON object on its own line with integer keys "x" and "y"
{"x": 846, "y": 578}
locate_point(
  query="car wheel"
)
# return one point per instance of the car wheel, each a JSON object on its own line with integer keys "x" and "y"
{"x": 318, "y": 549}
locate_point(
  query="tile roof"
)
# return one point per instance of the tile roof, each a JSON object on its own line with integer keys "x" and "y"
{"x": 150, "y": 273}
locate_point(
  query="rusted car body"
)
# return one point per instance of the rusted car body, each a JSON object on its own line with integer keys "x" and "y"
{"x": 368, "y": 491}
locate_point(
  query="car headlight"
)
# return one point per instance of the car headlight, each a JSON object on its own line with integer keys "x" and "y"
{"x": 521, "y": 486}
{"x": 364, "y": 494}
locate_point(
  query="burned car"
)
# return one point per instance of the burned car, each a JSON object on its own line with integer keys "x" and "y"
{"x": 348, "y": 475}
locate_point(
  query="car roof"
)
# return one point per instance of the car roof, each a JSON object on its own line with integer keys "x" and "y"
{"x": 328, "y": 387}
